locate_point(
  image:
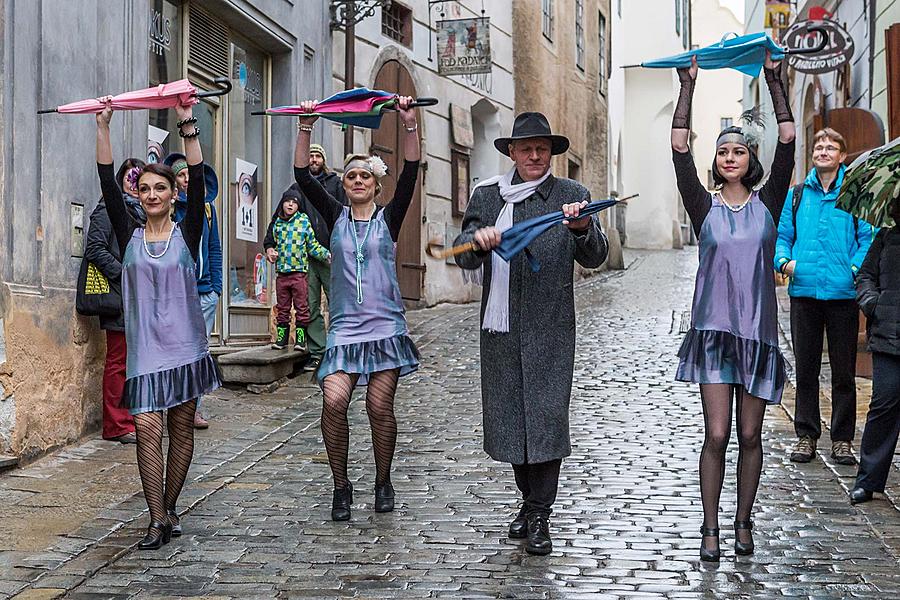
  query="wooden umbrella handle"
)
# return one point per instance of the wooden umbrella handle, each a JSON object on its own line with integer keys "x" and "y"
{"x": 452, "y": 251}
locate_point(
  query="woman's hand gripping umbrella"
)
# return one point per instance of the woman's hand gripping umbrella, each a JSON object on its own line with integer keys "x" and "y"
{"x": 516, "y": 239}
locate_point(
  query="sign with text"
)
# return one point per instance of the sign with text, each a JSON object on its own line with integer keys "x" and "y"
{"x": 464, "y": 46}
{"x": 836, "y": 54}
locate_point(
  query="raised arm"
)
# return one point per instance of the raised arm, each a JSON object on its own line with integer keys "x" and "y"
{"x": 774, "y": 192}
{"x": 694, "y": 196}
{"x": 328, "y": 206}
{"x": 396, "y": 210}
{"x": 192, "y": 224}
{"x": 112, "y": 195}
{"x": 773, "y": 74}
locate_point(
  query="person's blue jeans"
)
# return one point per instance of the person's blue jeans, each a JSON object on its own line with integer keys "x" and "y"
{"x": 208, "y": 304}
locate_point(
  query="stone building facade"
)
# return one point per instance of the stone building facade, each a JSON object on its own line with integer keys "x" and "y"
{"x": 57, "y": 51}
{"x": 562, "y": 65}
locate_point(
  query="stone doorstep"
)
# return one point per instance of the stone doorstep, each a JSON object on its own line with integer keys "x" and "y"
{"x": 259, "y": 365}
{"x": 8, "y": 462}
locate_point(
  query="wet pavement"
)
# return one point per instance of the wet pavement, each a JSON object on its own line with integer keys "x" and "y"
{"x": 626, "y": 523}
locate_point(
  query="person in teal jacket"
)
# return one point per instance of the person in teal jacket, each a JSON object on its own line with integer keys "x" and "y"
{"x": 821, "y": 248}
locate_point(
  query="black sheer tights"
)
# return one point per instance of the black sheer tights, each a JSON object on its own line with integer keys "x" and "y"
{"x": 149, "y": 430}
{"x": 717, "y": 402}
{"x": 338, "y": 388}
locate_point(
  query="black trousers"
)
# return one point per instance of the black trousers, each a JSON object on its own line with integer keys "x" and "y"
{"x": 839, "y": 320}
{"x": 879, "y": 438}
{"x": 538, "y": 483}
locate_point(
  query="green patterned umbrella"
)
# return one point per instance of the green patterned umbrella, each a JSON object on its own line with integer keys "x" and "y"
{"x": 871, "y": 182}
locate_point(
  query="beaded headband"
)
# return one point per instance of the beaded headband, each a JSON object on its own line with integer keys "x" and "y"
{"x": 732, "y": 138}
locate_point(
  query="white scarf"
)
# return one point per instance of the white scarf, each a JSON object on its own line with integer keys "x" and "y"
{"x": 496, "y": 313}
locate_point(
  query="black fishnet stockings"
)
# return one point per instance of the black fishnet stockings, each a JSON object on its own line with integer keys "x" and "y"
{"x": 149, "y": 431}
{"x": 717, "y": 417}
{"x": 338, "y": 389}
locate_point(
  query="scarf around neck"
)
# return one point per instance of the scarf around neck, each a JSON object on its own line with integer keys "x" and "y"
{"x": 496, "y": 313}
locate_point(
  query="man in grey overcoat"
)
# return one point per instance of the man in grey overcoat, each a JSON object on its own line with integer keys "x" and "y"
{"x": 528, "y": 317}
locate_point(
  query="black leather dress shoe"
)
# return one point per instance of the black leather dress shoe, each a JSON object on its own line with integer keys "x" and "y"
{"x": 175, "y": 522}
{"x": 859, "y": 495}
{"x": 157, "y": 535}
{"x": 710, "y": 554}
{"x": 340, "y": 504}
{"x": 518, "y": 529}
{"x": 744, "y": 549}
{"x": 384, "y": 497}
{"x": 539, "y": 541}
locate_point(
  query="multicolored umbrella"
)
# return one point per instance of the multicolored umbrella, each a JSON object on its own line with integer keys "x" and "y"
{"x": 360, "y": 107}
{"x": 871, "y": 182}
{"x": 516, "y": 238}
{"x": 166, "y": 95}
{"x": 744, "y": 53}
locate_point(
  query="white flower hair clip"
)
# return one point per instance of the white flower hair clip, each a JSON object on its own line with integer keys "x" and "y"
{"x": 379, "y": 168}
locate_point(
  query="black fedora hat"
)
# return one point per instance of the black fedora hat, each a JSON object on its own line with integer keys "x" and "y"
{"x": 532, "y": 125}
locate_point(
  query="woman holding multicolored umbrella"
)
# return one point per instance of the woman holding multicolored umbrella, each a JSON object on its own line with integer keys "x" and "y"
{"x": 731, "y": 349}
{"x": 368, "y": 341}
{"x": 169, "y": 365}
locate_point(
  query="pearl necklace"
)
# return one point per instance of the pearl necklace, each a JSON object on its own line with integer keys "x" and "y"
{"x": 160, "y": 255}
{"x": 737, "y": 208}
{"x": 359, "y": 254}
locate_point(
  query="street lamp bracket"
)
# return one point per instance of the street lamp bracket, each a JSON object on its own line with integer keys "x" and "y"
{"x": 345, "y": 12}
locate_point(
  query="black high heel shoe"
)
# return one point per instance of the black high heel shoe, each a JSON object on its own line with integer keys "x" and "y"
{"x": 744, "y": 549}
{"x": 157, "y": 535}
{"x": 340, "y": 504}
{"x": 710, "y": 555}
{"x": 175, "y": 522}
{"x": 384, "y": 497}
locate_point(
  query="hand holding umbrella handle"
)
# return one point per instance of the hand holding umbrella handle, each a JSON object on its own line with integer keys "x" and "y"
{"x": 424, "y": 101}
{"x": 433, "y": 252}
{"x": 224, "y": 87}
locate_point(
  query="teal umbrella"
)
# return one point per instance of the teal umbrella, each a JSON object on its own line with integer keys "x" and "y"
{"x": 744, "y": 53}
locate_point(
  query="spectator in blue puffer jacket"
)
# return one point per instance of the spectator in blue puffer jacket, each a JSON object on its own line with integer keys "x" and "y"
{"x": 821, "y": 248}
{"x": 209, "y": 263}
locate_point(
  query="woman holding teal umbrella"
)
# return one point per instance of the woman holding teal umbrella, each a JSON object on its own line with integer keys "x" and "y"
{"x": 731, "y": 349}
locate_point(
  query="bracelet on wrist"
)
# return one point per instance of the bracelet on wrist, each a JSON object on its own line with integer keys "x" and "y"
{"x": 188, "y": 121}
{"x": 412, "y": 129}
{"x": 304, "y": 127}
{"x": 193, "y": 134}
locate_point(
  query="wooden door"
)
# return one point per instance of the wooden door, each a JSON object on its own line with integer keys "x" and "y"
{"x": 387, "y": 142}
{"x": 892, "y": 57}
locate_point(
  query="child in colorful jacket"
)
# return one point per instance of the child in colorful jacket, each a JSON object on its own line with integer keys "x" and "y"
{"x": 289, "y": 241}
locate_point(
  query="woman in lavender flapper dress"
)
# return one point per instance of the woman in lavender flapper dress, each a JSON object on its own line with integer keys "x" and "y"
{"x": 731, "y": 349}
{"x": 168, "y": 365}
{"x": 368, "y": 340}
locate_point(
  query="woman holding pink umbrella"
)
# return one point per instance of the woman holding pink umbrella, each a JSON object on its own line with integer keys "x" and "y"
{"x": 168, "y": 365}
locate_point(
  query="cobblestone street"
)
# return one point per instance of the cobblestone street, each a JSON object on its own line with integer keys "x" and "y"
{"x": 626, "y": 523}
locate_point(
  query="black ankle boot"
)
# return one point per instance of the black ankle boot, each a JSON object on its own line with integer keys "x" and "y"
{"x": 710, "y": 555}
{"x": 157, "y": 535}
{"x": 175, "y": 522}
{"x": 340, "y": 504}
{"x": 518, "y": 529}
{"x": 859, "y": 495}
{"x": 739, "y": 546}
{"x": 539, "y": 541}
{"x": 384, "y": 497}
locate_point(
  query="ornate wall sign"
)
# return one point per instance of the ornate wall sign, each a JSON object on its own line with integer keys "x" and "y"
{"x": 836, "y": 54}
{"x": 464, "y": 46}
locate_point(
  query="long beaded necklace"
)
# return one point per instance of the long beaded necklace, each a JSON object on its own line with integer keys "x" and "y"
{"x": 160, "y": 255}
{"x": 359, "y": 254}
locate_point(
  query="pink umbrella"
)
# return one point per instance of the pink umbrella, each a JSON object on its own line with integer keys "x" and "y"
{"x": 166, "y": 95}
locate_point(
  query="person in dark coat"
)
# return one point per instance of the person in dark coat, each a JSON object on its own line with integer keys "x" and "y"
{"x": 319, "y": 274}
{"x": 528, "y": 318}
{"x": 102, "y": 249}
{"x": 878, "y": 295}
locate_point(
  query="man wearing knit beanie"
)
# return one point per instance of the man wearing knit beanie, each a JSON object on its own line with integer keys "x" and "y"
{"x": 319, "y": 272}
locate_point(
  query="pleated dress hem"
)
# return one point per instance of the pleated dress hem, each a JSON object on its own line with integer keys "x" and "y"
{"x": 364, "y": 358}
{"x": 153, "y": 392}
{"x": 709, "y": 356}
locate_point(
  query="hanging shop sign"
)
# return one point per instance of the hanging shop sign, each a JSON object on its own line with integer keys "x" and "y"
{"x": 778, "y": 15}
{"x": 836, "y": 54}
{"x": 464, "y": 46}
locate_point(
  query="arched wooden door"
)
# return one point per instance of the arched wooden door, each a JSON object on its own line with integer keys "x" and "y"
{"x": 387, "y": 142}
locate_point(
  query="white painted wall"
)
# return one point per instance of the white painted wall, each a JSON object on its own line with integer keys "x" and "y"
{"x": 640, "y": 105}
